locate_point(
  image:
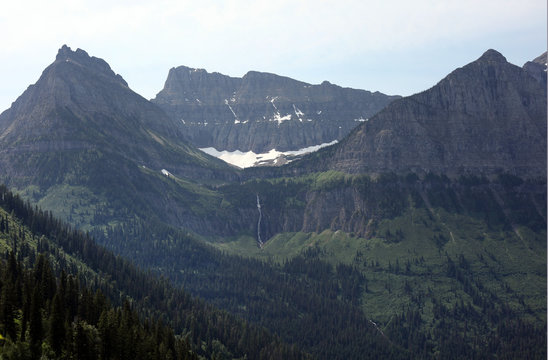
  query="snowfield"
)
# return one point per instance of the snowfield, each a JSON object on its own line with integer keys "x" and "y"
{"x": 249, "y": 158}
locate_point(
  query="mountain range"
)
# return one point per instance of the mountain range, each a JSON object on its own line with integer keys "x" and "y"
{"x": 262, "y": 111}
{"x": 423, "y": 228}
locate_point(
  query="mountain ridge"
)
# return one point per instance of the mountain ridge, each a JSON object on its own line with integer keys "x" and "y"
{"x": 262, "y": 111}
{"x": 484, "y": 118}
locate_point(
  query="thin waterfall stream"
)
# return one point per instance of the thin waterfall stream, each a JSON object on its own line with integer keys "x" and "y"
{"x": 259, "y": 241}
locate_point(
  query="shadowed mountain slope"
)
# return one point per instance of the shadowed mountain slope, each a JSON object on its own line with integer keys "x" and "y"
{"x": 484, "y": 118}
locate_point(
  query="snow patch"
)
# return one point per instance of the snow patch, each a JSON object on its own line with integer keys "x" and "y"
{"x": 272, "y": 102}
{"x": 249, "y": 158}
{"x": 236, "y": 121}
{"x": 310, "y": 149}
{"x": 277, "y": 117}
{"x": 298, "y": 112}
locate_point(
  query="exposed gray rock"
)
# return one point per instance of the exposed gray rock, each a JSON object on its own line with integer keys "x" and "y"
{"x": 486, "y": 117}
{"x": 537, "y": 68}
{"x": 263, "y": 111}
{"x": 80, "y": 104}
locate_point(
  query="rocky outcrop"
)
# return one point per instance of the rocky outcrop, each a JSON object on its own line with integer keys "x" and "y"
{"x": 484, "y": 118}
{"x": 537, "y": 68}
{"x": 263, "y": 111}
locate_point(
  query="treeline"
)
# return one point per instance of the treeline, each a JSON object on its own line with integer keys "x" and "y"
{"x": 210, "y": 332}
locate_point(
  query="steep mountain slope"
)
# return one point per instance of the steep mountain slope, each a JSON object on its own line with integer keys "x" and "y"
{"x": 486, "y": 117}
{"x": 81, "y": 136}
{"x": 537, "y": 68}
{"x": 262, "y": 111}
{"x": 71, "y": 285}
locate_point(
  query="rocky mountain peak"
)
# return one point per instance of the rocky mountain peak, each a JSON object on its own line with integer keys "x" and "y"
{"x": 66, "y": 53}
{"x": 79, "y": 105}
{"x": 81, "y": 57}
{"x": 487, "y": 117}
{"x": 492, "y": 56}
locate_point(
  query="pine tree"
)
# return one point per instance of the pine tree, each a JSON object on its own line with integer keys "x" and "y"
{"x": 35, "y": 327}
{"x": 8, "y": 310}
{"x": 57, "y": 330}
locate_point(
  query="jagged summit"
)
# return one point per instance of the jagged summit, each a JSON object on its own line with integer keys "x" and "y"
{"x": 81, "y": 57}
{"x": 66, "y": 53}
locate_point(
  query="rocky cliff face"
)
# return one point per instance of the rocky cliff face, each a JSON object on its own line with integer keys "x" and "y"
{"x": 537, "y": 68}
{"x": 263, "y": 111}
{"x": 357, "y": 203}
{"x": 484, "y": 118}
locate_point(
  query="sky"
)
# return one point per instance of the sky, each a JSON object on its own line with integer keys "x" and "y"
{"x": 393, "y": 46}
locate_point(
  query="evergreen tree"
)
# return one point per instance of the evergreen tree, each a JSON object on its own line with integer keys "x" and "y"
{"x": 35, "y": 326}
{"x": 57, "y": 330}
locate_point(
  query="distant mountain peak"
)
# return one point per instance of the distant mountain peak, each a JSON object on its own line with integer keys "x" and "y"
{"x": 66, "y": 53}
{"x": 492, "y": 56}
{"x": 483, "y": 118}
{"x": 81, "y": 57}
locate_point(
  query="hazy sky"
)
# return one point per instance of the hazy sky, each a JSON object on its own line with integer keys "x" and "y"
{"x": 393, "y": 46}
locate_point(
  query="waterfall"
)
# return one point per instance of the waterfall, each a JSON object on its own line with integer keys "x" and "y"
{"x": 259, "y": 241}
